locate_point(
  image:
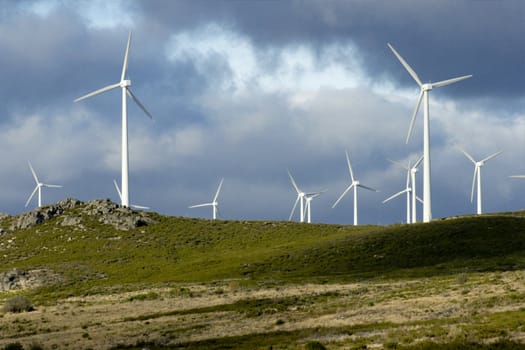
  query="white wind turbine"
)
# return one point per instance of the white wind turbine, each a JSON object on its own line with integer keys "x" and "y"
{"x": 214, "y": 204}
{"x": 304, "y": 198}
{"x": 413, "y": 188}
{"x": 140, "y": 207}
{"x": 124, "y": 84}
{"x": 408, "y": 191}
{"x": 308, "y": 198}
{"x": 477, "y": 175}
{"x": 423, "y": 95}
{"x": 355, "y": 184}
{"x": 300, "y": 198}
{"x": 38, "y": 187}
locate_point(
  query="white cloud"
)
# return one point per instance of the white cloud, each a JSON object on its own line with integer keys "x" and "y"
{"x": 97, "y": 14}
{"x": 247, "y": 67}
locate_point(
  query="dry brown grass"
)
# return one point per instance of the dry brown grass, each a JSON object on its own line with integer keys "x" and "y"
{"x": 422, "y": 308}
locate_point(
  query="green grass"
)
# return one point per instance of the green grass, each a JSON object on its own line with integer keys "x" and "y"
{"x": 95, "y": 257}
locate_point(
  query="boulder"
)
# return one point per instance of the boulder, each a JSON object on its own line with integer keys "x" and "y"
{"x": 24, "y": 279}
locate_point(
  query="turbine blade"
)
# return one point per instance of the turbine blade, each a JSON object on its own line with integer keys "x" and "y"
{"x": 313, "y": 194}
{"x": 517, "y": 176}
{"x": 349, "y": 166}
{"x": 130, "y": 94}
{"x": 394, "y": 196}
{"x": 344, "y": 193}
{"x": 118, "y": 189}
{"x": 293, "y": 183}
{"x": 52, "y": 186}
{"x": 201, "y": 205}
{"x": 218, "y": 191}
{"x": 408, "y": 179}
{"x": 33, "y": 172}
{"x": 416, "y": 164}
{"x": 466, "y": 154}
{"x": 99, "y": 91}
{"x": 139, "y": 207}
{"x": 368, "y": 188}
{"x": 476, "y": 169}
{"x": 125, "y": 65}
{"x": 406, "y": 65}
{"x": 399, "y": 164}
{"x": 31, "y": 196}
{"x": 450, "y": 81}
{"x": 419, "y": 200}
{"x": 414, "y": 115}
{"x": 492, "y": 156}
{"x": 293, "y": 209}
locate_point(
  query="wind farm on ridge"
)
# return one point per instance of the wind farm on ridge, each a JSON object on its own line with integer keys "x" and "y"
{"x": 304, "y": 199}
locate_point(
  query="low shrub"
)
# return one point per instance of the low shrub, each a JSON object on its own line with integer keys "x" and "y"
{"x": 314, "y": 345}
{"x": 13, "y": 346}
{"x": 18, "y": 304}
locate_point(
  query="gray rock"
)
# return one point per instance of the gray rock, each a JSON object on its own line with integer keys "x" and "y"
{"x": 71, "y": 220}
{"x": 22, "y": 279}
{"x": 105, "y": 210}
{"x": 121, "y": 218}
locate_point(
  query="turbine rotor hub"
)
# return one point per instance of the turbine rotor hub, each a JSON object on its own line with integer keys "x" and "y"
{"x": 426, "y": 87}
{"x": 125, "y": 83}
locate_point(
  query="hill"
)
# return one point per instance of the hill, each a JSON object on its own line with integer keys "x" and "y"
{"x": 172, "y": 282}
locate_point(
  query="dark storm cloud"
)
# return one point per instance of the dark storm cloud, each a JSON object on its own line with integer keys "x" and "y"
{"x": 440, "y": 39}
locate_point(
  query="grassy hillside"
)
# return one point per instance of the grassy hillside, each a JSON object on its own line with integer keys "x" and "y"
{"x": 200, "y": 284}
{"x": 91, "y": 256}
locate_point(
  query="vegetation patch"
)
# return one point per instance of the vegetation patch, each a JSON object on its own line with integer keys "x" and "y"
{"x": 17, "y": 304}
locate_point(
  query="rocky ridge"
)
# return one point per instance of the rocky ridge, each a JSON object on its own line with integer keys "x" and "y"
{"x": 107, "y": 212}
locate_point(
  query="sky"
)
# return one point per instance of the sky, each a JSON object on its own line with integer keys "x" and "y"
{"x": 246, "y": 90}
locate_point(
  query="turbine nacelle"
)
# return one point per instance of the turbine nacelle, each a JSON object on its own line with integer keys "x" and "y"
{"x": 426, "y": 87}
{"x": 125, "y": 83}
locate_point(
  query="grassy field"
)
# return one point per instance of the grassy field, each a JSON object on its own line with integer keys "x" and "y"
{"x": 200, "y": 284}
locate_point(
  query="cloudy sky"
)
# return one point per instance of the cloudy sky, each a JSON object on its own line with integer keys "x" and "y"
{"x": 248, "y": 89}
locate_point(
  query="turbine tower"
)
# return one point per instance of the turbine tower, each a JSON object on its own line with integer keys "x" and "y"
{"x": 214, "y": 204}
{"x": 423, "y": 95}
{"x": 140, "y": 207}
{"x": 413, "y": 172}
{"x": 124, "y": 84}
{"x": 477, "y": 176}
{"x": 355, "y": 184}
{"x": 38, "y": 187}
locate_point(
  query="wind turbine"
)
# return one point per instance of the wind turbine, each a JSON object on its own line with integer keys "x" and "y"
{"x": 38, "y": 187}
{"x": 214, "y": 204}
{"x": 408, "y": 191}
{"x": 413, "y": 172}
{"x": 477, "y": 175}
{"x": 300, "y": 198}
{"x": 140, "y": 207}
{"x": 308, "y": 197}
{"x": 423, "y": 95}
{"x": 304, "y": 198}
{"x": 124, "y": 84}
{"x": 355, "y": 184}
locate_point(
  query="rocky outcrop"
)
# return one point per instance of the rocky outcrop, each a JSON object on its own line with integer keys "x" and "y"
{"x": 121, "y": 218}
{"x": 107, "y": 212}
{"x": 21, "y": 279}
{"x": 42, "y": 214}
